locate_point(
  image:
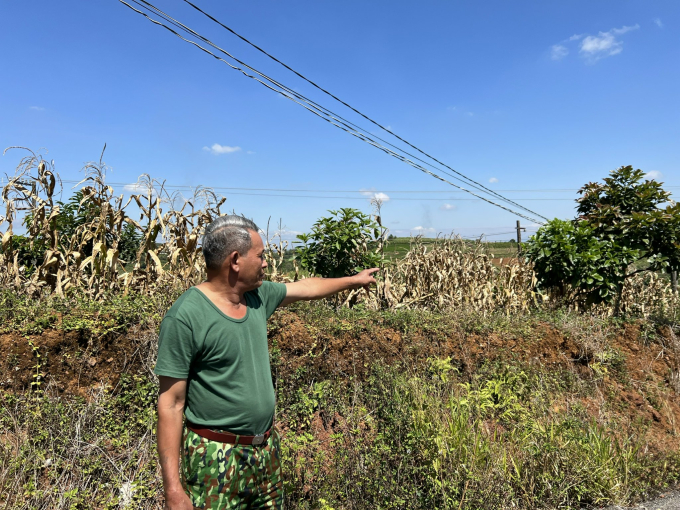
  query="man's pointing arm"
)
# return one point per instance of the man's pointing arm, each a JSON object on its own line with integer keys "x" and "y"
{"x": 318, "y": 288}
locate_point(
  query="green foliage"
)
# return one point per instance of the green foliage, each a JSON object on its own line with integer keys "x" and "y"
{"x": 30, "y": 255}
{"x": 419, "y": 433}
{"x": 129, "y": 242}
{"x": 620, "y": 226}
{"x": 339, "y": 244}
{"x": 115, "y": 313}
{"x": 411, "y": 440}
{"x": 626, "y": 210}
{"x": 568, "y": 255}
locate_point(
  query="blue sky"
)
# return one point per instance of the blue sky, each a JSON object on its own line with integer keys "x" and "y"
{"x": 516, "y": 95}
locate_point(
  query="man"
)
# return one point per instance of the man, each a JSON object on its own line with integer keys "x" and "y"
{"x": 213, "y": 365}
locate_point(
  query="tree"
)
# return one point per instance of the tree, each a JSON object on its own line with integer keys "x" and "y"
{"x": 621, "y": 230}
{"x": 339, "y": 244}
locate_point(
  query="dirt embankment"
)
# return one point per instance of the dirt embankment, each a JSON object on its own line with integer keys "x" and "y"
{"x": 72, "y": 363}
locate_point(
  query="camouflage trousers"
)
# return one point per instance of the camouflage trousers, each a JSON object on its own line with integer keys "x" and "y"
{"x": 220, "y": 476}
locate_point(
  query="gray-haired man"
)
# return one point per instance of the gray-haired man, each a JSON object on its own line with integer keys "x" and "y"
{"x": 213, "y": 365}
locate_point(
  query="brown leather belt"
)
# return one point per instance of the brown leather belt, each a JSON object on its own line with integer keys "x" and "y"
{"x": 226, "y": 437}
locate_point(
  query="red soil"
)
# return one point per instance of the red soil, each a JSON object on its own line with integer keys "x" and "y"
{"x": 73, "y": 364}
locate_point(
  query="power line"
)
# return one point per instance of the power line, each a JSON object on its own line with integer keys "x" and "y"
{"x": 346, "y": 104}
{"x": 363, "y": 191}
{"x": 284, "y": 195}
{"x": 366, "y": 136}
{"x": 318, "y": 109}
{"x": 364, "y": 198}
{"x": 311, "y": 106}
{"x": 499, "y": 234}
{"x": 174, "y": 22}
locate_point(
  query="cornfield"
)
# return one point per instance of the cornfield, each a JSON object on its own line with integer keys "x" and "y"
{"x": 168, "y": 228}
{"x": 454, "y": 273}
{"x": 66, "y": 264}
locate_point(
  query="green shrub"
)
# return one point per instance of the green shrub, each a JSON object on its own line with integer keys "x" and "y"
{"x": 339, "y": 245}
{"x": 621, "y": 230}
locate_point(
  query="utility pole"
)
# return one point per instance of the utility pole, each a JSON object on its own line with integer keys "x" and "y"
{"x": 519, "y": 238}
{"x": 674, "y": 281}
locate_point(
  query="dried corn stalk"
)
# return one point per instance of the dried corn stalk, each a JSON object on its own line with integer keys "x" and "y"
{"x": 455, "y": 273}
{"x": 450, "y": 273}
{"x": 170, "y": 228}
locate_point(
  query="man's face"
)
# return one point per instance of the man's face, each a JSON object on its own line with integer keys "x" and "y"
{"x": 253, "y": 263}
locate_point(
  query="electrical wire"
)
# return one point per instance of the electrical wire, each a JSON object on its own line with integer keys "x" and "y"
{"x": 500, "y": 234}
{"x": 344, "y": 103}
{"x": 363, "y": 191}
{"x": 335, "y": 116}
{"x": 285, "y": 195}
{"x": 292, "y": 95}
{"x": 365, "y": 136}
{"x": 364, "y": 198}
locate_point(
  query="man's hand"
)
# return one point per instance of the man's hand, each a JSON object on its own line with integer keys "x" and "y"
{"x": 319, "y": 288}
{"x": 178, "y": 501}
{"x": 364, "y": 278}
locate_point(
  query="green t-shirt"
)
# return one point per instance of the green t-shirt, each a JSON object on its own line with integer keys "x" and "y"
{"x": 225, "y": 360}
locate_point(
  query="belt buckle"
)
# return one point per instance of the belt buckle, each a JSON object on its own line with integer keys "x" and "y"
{"x": 258, "y": 439}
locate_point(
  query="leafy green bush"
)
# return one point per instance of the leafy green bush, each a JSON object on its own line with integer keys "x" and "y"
{"x": 568, "y": 255}
{"x": 339, "y": 245}
{"x": 620, "y": 231}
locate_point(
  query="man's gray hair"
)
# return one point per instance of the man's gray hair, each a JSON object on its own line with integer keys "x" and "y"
{"x": 226, "y": 235}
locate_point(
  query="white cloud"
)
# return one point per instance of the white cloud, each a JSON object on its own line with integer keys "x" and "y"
{"x": 372, "y": 194}
{"x": 658, "y": 22}
{"x": 137, "y": 187}
{"x": 493, "y": 179}
{"x": 218, "y": 149}
{"x": 605, "y": 44}
{"x": 558, "y": 52}
{"x": 448, "y": 207}
{"x": 451, "y": 108}
{"x": 36, "y": 108}
{"x": 593, "y": 47}
{"x": 250, "y": 152}
{"x": 624, "y": 29}
{"x": 423, "y": 229}
{"x": 654, "y": 175}
{"x": 285, "y": 234}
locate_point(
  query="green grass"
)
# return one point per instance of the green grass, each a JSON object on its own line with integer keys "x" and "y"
{"x": 396, "y": 248}
{"x": 403, "y": 437}
{"x": 416, "y": 433}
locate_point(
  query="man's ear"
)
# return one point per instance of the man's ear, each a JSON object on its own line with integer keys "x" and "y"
{"x": 233, "y": 261}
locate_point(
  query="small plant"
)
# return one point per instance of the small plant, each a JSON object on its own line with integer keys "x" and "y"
{"x": 38, "y": 375}
{"x": 340, "y": 244}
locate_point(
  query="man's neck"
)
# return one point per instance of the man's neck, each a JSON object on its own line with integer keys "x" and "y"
{"x": 222, "y": 288}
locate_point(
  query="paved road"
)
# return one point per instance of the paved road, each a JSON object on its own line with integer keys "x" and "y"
{"x": 666, "y": 501}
